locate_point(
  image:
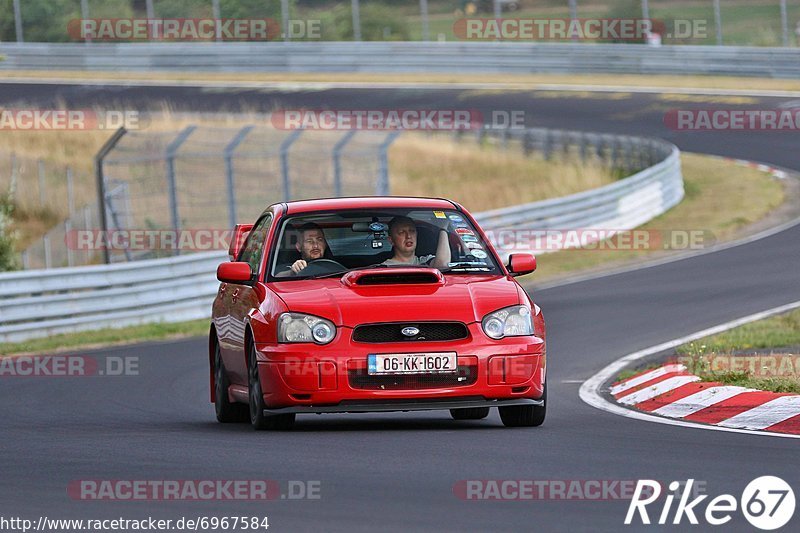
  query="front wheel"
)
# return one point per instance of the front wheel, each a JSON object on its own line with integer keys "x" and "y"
{"x": 258, "y": 419}
{"x": 471, "y": 413}
{"x": 524, "y": 415}
{"x": 227, "y": 412}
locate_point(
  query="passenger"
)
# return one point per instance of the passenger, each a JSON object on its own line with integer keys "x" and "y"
{"x": 403, "y": 236}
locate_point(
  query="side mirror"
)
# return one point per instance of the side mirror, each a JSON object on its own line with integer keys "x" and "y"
{"x": 521, "y": 264}
{"x": 234, "y": 272}
{"x": 240, "y": 233}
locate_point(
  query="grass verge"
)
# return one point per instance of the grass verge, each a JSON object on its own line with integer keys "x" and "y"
{"x": 774, "y": 333}
{"x": 525, "y": 81}
{"x": 107, "y": 337}
{"x": 711, "y": 206}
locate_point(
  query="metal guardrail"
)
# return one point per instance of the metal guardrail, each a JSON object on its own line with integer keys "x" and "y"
{"x": 435, "y": 57}
{"x": 37, "y": 303}
{"x": 622, "y": 205}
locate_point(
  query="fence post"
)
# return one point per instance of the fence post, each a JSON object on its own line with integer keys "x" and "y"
{"x": 285, "y": 145}
{"x": 337, "y": 161}
{"x": 70, "y": 192}
{"x": 14, "y": 170}
{"x": 87, "y": 223}
{"x": 69, "y": 242}
{"x": 48, "y": 260}
{"x": 355, "y": 8}
{"x": 229, "y": 174}
{"x": 172, "y": 149}
{"x": 101, "y": 184}
{"x": 85, "y": 16}
{"x": 285, "y": 19}
{"x": 18, "y": 22}
{"x": 426, "y": 28}
{"x": 718, "y": 21}
{"x": 383, "y": 176}
{"x": 40, "y": 171}
{"x": 784, "y": 24}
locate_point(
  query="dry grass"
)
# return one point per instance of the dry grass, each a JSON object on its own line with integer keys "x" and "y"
{"x": 527, "y": 81}
{"x": 721, "y": 199}
{"x": 483, "y": 177}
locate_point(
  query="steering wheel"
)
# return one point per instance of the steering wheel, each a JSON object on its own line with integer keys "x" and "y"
{"x": 322, "y": 266}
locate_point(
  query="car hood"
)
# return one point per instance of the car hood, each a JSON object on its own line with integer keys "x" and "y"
{"x": 463, "y": 298}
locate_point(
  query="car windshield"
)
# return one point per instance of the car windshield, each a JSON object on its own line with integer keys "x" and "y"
{"x": 329, "y": 244}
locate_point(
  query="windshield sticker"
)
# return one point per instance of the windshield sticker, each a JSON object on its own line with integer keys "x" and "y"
{"x": 474, "y": 245}
{"x": 469, "y": 238}
{"x": 439, "y": 214}
{"x": 480, "y": 254}
{"x": 456, "y": 218}
{"x": 464, "y": 231}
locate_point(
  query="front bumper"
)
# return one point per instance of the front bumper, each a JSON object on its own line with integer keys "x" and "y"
{"x": 307, "y": 378}
{"x": 403, "y": 405}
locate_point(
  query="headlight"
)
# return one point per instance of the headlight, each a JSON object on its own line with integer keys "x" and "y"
{"x": 514, "y": 321}
{"x": 298, "y": 327}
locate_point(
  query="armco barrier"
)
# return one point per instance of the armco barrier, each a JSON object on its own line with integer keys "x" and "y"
{"x": 399, "y": 57}
{"x": 36, "y": 303}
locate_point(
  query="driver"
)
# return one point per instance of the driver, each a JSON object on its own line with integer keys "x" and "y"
{"x": 403, "y": 236}
{"x": 311, "y": 245}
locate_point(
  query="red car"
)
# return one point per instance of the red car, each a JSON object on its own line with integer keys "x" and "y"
{"x": 373, "y": 304}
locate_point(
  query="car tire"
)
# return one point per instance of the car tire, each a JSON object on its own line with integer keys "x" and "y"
{"x": 258, "y": 419}
{"x": 471, "y": 413}
{"x": 227, "y": 412}
{"x": 524, "y": 415}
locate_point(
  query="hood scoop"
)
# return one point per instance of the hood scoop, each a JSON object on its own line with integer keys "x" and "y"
{"x": 394, "y": 276}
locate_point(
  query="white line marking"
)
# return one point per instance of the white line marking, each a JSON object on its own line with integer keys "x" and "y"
{"x": 765, "y": 415}
{"x": 699, "y": 401}
{"x": 590, "y": 390}
{"x": 644, "y": 378}
{"x": 657, "y": 389}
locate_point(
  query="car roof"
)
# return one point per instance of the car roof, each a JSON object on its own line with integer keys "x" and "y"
{"x": 367, "y": 202}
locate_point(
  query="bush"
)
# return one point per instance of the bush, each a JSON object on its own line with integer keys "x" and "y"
{"x": 8, "y": 253}
{"x": 378, "y": 23}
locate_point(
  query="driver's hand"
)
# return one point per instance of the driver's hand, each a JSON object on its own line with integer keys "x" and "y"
{"x": 298, "y": 265}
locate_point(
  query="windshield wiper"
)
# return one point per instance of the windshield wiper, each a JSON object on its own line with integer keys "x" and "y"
{"x": 343, "y": 272}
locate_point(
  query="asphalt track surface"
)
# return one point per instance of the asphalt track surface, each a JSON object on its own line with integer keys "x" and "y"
{"x": 397, "y": 471}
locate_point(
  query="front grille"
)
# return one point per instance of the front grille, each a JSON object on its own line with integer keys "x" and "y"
{"x": 360, "y": 379}
{"x": 428, "y": 331}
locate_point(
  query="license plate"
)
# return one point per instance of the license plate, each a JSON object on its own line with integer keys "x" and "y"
{"x": 413, "y": 363}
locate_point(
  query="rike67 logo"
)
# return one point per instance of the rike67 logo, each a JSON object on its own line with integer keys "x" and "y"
{"x": 767, "y": 503}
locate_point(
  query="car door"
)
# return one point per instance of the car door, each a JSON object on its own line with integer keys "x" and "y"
{"x": 241, "y": 299}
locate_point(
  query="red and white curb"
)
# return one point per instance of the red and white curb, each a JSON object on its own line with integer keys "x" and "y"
{"x": 673, "y": 392}
{"x": 731, "y": 414}
{"x": 775, "y": 172}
